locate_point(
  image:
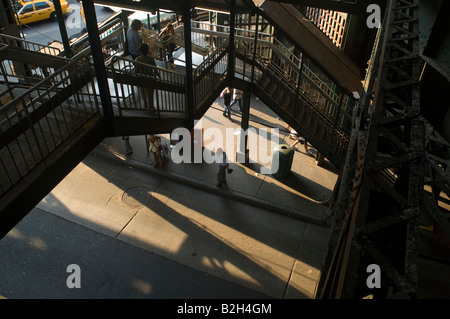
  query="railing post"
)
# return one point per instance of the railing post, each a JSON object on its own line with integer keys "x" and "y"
{"x": 190, "y": 107}
{"x": 338, "y": 113}
{"x": 297, "y": 92}
{"x": 158, "y": 20}
{"x": 100, "y": 69}
{"x": 255, "y": 44}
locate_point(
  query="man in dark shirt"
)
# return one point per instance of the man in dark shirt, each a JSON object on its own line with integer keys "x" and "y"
{"x": 134, "y": 41}
{"x": 151, "y": 70}
{"x": 226, "y": 95}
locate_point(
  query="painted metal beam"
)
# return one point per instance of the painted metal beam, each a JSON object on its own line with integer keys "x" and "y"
{"x": 353, "y": 7}
{"x": 100, "y": 69}
{"x": 381, "y": 218}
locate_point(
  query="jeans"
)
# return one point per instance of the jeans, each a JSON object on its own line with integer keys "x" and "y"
{"x": 239, "y": 101}
{"x": 227, "y": 109}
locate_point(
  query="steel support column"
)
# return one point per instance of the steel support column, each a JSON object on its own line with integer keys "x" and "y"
{"x": 190, "y": 107}
{"x": 242, "y": 155}
{"x": 380, "y": 223}
{"x": 62, "y": 29}
{"x": 255, "y": 44}
{"x": 231, "y": 53}
{"x": 99, "y": 63}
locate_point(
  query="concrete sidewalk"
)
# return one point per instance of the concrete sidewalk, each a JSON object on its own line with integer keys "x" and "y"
{"x": 303, "y": 194}
{"x": 143, "y": 232}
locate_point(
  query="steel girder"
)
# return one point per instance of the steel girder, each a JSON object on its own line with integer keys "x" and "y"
{"x": 377, "y": 210}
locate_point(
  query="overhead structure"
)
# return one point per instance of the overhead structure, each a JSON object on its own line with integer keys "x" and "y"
{"x": 377, "y": 211}
{"x": 393, "y": 153}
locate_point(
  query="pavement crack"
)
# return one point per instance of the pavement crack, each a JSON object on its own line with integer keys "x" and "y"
{"x": 295, "y": 263}
{"x": 126, "y": 224}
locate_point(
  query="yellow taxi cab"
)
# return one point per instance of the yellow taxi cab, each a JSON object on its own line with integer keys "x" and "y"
{"x": 37, "y": 10}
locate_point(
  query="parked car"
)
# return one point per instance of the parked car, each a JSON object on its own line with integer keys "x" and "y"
{"x": 37, "y": 10}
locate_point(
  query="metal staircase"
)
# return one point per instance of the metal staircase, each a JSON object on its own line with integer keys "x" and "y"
{"x": 392, "y": 199}
{"x": 45, "y": 132}
{"x": 292, "y": 86}
{"x": 311, "y": 121}
{"x": 62, "y": 114}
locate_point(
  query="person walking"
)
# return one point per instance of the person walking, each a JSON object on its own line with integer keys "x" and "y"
{"x": 146, "y": 58}
{"x": 226, "y": 95}
{"x": 166, "y": 35}
{"x": 237, "y": 98}
{"x": 134, "y": 41}
{"x": 223, "y": 167}
{"x": 298, "y": 139}
{"x": 128, "y": 148}
{"x": 154, "y": 146}
{"x": 302, "y": 141}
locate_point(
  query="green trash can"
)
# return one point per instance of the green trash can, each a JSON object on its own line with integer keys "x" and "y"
{"x": 282, "y": 157}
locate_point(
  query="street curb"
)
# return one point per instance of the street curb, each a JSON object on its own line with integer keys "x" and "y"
{"x": 189, "y": 181}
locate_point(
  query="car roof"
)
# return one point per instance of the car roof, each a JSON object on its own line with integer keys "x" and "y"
{"x": 23, "y": 2}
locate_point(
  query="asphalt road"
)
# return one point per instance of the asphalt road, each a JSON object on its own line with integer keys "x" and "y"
{"x": 45, "y": 32}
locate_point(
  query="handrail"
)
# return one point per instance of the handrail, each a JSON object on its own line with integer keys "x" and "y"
{"x": 325, "y": 100}
{"x": 208, "y": 61}
{"x": 307, "y": 75}
{"x": 45, "y": 118}
{"x": 29, "y": 45}
{"x": 108, "y": 30}
{"x": 263, "y": 38}
{"x": 50, "y": 82}
{"x": 167, "y": 79}
{"x": 167, "y": 87}
{"x": 311, "y": 105}
{"x": 102, "y": 27}
{"x": 208, "y": 72}
{"x": 273, "y": 71}
{"x": 267, "y": 39}
{"x": 334, "y": 144}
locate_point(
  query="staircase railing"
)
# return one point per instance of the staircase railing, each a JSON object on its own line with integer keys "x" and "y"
{"x": 134, "y": 80}
{"x": 320, "y": 88}
{"x": 41, "y": 119}
{"x": 308, "y": 95}
{"x": 28, "y": 45}
{"x": 335, "y": 107}
{"x": 320, "y": 129}
{"x": 17, "y": 72}
{"x": 208, "y": 74}
{"x": 268, "y": 47}
{"x": 112, "y": 36}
